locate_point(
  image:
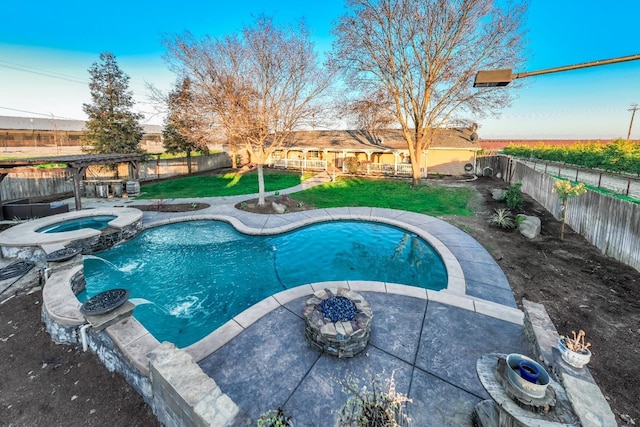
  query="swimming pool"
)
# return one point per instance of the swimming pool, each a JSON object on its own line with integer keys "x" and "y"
{"x": 98, "y": 222}
{"x": 191, "y": 277}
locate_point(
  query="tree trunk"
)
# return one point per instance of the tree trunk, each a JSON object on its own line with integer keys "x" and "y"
{"x": 234, "y": 158}
{"x": 416, "y": 173}
{"x": 189, "y": 162}
{"x": 564, "y": 210}
{"x": 260, "y": 185}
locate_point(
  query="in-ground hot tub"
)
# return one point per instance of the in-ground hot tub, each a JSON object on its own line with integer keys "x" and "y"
{"x": 97, "y": 222}
{"x": 82, "y": 229}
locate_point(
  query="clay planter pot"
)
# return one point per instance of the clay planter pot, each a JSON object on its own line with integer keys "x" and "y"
{"x": 573, "y": 358}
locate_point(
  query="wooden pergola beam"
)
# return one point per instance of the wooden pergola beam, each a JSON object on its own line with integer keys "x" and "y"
{"x": 78, "y": 164}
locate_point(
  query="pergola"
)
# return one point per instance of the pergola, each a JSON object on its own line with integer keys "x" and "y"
{"x": 77, "y": 164}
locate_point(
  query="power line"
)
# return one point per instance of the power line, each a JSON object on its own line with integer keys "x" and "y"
{"x": 38, "y": 114}
{"x": 52, "y": 74}
{"x": 556, "y": 113}
{"x": 33, "y": 70}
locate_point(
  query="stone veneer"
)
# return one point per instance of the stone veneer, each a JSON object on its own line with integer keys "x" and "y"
{"x": 342, "y": 338}
{"x": 25, "y": 242}
{"x": 586, "y": 398}
{"x": 168, "y": 378}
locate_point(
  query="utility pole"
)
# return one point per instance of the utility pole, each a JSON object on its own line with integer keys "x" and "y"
{"x": 633, "y": 109}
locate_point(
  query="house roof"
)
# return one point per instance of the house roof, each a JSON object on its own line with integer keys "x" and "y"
{"x": 391, "y": 139}
{"x": 52, "y": 124}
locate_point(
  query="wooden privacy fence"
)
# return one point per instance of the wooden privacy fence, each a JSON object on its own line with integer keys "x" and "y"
{"x": 612, "y": 225}
{"x": 492, "y": 166}
{"x": 35, "y": 182}
{"x": 165, "y": 168}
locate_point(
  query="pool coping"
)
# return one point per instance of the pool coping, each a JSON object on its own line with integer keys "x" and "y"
{"x": 25, "y": 234}
{"x": 455, "y": 276}
{"x": 134, "y": 344}
{"x": 453, "y": 295}
{"x": 260, "y": 224}
{"x": 232, "y": 328}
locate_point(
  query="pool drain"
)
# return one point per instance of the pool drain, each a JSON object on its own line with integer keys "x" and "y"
{"x": 104, "y": 302}
{"x": 16, "y": 269}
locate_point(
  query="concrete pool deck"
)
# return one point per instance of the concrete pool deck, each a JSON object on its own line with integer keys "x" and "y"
{"x": 430, "y": 341}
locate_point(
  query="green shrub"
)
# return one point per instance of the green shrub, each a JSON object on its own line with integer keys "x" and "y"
{"x": 352, "y": 164}
{"x": 513, "y": 196}
{"x": 275, "y": 418}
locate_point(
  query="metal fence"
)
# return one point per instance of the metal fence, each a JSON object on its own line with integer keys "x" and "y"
{"x": 627, "y": 185}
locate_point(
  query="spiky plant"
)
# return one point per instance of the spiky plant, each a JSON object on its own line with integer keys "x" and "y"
{"x": 503, "y": 219}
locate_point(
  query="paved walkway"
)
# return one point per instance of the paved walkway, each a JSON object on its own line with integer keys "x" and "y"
{"x": 429, "y": 341}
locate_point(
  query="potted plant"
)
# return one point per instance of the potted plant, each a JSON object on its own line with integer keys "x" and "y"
{"x": 275, "y": 418}
{"x": 575, "y": 350}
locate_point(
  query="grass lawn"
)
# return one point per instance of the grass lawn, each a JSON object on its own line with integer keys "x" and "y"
{"x": 431, "y": 199}
{"x": 229, "y": 184}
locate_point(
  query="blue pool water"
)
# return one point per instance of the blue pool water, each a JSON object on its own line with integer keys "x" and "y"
{"x": 191, "y": 277}
{"x": 98, "y": 222}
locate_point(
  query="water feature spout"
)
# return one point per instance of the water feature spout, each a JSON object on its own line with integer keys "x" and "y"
{"x": 109, "y": 263}
{"x": 144, "y": 301}
{"x": 139, "y": 301}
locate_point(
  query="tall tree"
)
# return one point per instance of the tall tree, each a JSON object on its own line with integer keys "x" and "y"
{"x": 424, "y": 54}
{"x": 180, "y": 126}
{"x": 112, "y": 126}
{"x": 256, "y": 87}
{"x": 370, "y": 114}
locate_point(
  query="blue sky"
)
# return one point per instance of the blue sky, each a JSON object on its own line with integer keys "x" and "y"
{"x": 47, "y": 47}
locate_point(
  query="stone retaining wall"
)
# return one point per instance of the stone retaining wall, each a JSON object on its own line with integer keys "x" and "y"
{"x": 167, "y": 378}
{"x": 183, "y": 395}
{"x": 588, "y": 402}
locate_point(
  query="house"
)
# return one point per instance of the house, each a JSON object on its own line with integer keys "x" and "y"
{"x": 452, "y": 152}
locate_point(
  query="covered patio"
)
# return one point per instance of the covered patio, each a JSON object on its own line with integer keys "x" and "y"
{"x": 77, "y": 166}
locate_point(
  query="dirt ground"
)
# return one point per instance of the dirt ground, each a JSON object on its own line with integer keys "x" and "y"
{"x": 47, "y": 384}
{"x": 580, "y": 289}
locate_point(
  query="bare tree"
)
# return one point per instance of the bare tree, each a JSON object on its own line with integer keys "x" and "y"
{"x": 370, "y": 114}
{"x": 255, "y": 87}
{"x": 58, "y": 138}
{"x": 424, "y": 54}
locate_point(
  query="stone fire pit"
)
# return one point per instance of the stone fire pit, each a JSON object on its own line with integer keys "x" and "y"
{"x": 338, "y": 322}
